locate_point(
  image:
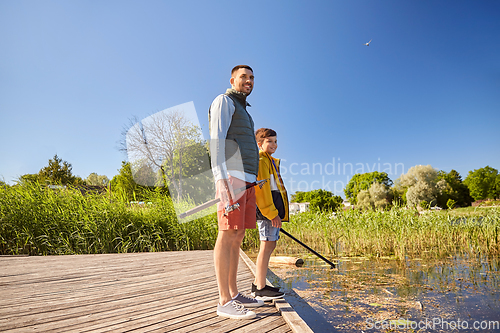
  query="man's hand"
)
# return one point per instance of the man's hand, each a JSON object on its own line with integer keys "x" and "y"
{"x": 225, "y": 192}
{"x": 276, "y": 222}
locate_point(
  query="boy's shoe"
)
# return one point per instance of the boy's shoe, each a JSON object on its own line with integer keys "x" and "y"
{"x": 254, "y": 289}
{"x": 234, "y": 310}
{"x": 248, "y": 302}
{"x": 268, "y": 294}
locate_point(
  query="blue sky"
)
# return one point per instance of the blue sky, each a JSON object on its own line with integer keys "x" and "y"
{"x": 426, "y": 90}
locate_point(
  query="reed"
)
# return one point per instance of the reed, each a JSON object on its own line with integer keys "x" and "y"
{"x": 397, "y": 233}
{"x": 36, "y": 220}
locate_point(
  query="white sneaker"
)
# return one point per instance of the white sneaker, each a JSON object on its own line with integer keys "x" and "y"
{"x": 234, "y": 310}
{"x": 248, "y": 302}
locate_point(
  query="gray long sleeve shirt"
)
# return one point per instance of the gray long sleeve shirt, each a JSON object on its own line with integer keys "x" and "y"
{"x": 221, "y": 113}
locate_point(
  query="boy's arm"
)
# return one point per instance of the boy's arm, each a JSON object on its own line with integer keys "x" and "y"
{"x": 263, "y": 195}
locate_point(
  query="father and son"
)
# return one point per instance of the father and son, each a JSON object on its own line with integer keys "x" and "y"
{"x": 241, "y": 156}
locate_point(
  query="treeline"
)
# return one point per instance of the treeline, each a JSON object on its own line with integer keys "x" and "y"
{"x": 59, "y": 173}
{"x": 422, "y": 186}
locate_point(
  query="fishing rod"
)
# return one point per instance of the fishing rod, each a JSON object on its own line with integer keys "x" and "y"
{"x": 307, "y": 247}
{"x": 229, "y": 208}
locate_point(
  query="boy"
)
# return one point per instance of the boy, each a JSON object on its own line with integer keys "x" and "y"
{"x": 272, "y": 209}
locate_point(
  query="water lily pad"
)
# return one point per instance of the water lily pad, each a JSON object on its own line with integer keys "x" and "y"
{"x": 402, "y": 322}
{"x": 376, "y": 304}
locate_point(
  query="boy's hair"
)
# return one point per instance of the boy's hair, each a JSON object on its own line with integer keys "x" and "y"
{"x": 263, "y": 133}
{"x": 240, "y": 66}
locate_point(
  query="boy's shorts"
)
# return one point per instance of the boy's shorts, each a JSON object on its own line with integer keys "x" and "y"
{"x": 267, "y": 232}
{"x": 244, "y": 217}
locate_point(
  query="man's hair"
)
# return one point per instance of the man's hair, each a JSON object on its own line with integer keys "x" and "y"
{"x": 240, "y": 66}
{"x": 263, "y": 133}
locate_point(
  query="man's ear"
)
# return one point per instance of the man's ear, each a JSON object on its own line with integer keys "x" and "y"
{"x": 231, "y": 80}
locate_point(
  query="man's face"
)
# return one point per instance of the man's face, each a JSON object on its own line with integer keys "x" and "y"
{"x": 242, "y": 80}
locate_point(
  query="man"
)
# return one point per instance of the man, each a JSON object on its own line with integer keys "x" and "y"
{"x": 235, "y": 162}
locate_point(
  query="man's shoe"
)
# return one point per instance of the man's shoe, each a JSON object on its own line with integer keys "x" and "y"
{"x": 268, "y": 294}
{"x": 248, "y": 302}
{"x": 254, "y": 289}
{"x": 234, "y": 310}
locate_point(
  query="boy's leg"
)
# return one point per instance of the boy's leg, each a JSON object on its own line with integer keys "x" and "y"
{"x": 268, "y": 237}
{"x": 265, "y": 251}
{"x": 264, "y": 292}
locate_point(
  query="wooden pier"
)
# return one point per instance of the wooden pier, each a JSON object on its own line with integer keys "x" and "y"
{"x": 136, "y": 292}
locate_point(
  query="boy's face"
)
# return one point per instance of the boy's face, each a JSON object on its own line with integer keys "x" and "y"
{"x": 242, "y": 80}
{"x": 269, "y": 145}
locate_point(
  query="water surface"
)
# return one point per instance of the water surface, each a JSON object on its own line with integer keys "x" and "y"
{"x": 454, "y": 294}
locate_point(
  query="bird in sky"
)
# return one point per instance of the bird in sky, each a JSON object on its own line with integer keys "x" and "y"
{"x": 368, "y": 44}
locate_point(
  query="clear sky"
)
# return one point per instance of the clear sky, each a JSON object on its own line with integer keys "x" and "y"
{"x": 426, "y": 90}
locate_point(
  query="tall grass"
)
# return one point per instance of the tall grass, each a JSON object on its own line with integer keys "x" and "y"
{"x": 36, "y": 220}
{"x": 398, "y": 232}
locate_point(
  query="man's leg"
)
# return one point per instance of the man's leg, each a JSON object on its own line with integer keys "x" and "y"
{"x": 224, "y": 259}
{"x": 234, "y": 261}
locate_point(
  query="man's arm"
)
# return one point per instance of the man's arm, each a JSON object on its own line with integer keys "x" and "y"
{"x": 221, "y": 114}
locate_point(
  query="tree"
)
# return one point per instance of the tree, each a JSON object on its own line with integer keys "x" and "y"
{"x": 363, "y": 200}
{"x": 58, "y": 172}
{"x": 457, "y": 191}
{"x": 360, "y": 182}
{"x": 483, "y": 183}
{"x": 197, "y": 177}
{"x": 376, "y": 197}
{"x": 319, "y": 200}
{"x": 421, "y": 183}
{"x": 169, "y": 145}
{"x": 97, "y": 180}
{"x": 124, "y": 183}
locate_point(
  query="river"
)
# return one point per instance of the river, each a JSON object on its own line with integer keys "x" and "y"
{"x": 415, "y": 295}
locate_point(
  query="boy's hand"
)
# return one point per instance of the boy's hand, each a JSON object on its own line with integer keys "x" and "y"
{"x": 276, "y": 222}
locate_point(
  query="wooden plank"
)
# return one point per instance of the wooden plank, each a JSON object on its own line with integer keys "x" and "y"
{"x": 291, "y": 317}
{"x": 140, "y": 292}
{"x": 101, "y": 311}
{"x": 112, "y": 296}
